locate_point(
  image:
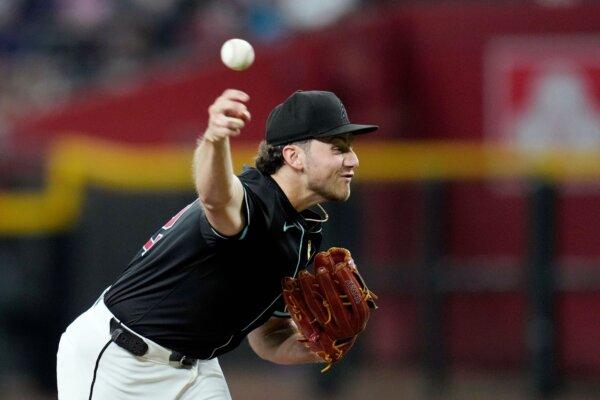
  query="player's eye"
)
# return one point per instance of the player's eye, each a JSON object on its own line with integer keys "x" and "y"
{"x": 341, "y": 149}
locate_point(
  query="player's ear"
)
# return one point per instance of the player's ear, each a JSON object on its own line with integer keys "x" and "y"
{"x": 294, "y": 156}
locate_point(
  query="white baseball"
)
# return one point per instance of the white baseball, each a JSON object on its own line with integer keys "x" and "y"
{"x": 237, "y": 54}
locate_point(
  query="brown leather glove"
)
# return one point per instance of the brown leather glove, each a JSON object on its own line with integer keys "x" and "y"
{"x": 330, "y": 307}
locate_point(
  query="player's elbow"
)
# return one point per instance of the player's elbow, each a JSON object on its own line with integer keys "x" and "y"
{"x": 264, "y": 347}
{"x": 214, "y": 203}
{"x": 220, "y": 195}
{"x": 265, "y": 355}
{"x": 272, "y": 355}
{"x": 260, "y": 348}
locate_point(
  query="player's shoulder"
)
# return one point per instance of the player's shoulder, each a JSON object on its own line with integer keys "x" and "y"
{"x": 256, "y": 182}
{"x": 259, "y": 186}
{"x": 250, "y": 174}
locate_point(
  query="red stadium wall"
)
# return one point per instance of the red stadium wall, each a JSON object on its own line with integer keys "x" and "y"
{"x": 170, "y": 105}
{"x": 417, "y": 71}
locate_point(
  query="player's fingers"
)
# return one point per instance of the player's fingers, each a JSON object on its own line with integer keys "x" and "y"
{"x": 242, "y": 114}
{"x": 228, "y": 107}
{"x": 237, "y": 110}
{"x": 234, "y": 94}
{"x": 222, "y": 120}
{"x": 246, "y": 116}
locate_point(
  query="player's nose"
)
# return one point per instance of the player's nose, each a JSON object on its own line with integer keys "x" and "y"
{"x": 351, "y": 159}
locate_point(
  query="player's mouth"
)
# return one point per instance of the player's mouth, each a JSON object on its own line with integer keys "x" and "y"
{"x": 347, "y": 176}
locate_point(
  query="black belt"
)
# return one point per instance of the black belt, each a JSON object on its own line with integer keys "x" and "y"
{"x": 135, "y": 345}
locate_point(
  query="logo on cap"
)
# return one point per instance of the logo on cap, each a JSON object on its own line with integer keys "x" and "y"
{"x": 344, "y": 114}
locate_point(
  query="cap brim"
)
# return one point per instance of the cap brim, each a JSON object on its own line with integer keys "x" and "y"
{"x": 349, "y": 129}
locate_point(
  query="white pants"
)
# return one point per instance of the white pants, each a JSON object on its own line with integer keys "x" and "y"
{"x": 90, "y": 366}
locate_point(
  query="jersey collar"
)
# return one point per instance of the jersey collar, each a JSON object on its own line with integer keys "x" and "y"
{"x": 311, "y": 219}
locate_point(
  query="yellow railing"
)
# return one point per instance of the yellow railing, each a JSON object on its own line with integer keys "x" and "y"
{"x": 76, "y": 162}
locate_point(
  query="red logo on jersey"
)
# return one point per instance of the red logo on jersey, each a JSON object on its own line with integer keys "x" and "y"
{"x": 153, "y": 240}
{"x": 172, "y": 221}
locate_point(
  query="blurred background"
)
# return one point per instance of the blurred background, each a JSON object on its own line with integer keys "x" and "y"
{"x": 475, "y": 216}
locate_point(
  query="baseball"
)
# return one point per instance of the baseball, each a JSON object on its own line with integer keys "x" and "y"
{"x": 237, "y": 54}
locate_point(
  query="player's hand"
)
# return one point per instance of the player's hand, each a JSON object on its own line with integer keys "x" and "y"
{"x": 227, "y": 115}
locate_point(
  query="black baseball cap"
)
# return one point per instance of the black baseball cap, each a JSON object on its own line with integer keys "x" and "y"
{"x": 309, "y": 115}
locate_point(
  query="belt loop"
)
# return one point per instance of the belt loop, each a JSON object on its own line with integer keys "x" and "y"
{"x": 126, "y": 339}
{"x": 181, "y": 360}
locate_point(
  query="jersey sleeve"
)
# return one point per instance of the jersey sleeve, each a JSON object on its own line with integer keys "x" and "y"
{"x": 253, "y": 206}
{"x": 212, "y": 235}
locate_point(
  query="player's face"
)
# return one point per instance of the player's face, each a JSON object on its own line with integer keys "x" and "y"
{"x": 330, "y": 167}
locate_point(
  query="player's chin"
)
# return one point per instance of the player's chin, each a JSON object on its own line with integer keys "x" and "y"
{"x": 334, "y": 192}
{"x": 347, "y": 196}
{"x": 343, "y": 194}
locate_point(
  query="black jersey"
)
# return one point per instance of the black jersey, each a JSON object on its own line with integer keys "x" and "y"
{"x": 195, "y": 291}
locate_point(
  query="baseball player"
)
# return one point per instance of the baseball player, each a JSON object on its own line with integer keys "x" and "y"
{"x": 211, "y": 275}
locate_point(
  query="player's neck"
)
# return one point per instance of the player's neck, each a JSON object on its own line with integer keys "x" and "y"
{"x": 295, "y": 190}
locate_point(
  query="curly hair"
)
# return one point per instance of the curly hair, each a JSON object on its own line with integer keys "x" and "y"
{"x": 269, "y": 158}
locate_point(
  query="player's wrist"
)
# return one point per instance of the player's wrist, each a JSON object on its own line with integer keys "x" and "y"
{"x": 210, "y": 137}
{"x": 206, "y": 137}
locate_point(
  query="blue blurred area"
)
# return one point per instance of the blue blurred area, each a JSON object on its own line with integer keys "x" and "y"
{"x": 83, "y": 41}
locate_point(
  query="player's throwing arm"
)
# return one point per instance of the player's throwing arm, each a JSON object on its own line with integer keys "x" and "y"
{"x": 219, "y": 190}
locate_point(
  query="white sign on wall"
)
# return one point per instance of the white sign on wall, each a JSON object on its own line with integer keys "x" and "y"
{"x": 543, "y": 93}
